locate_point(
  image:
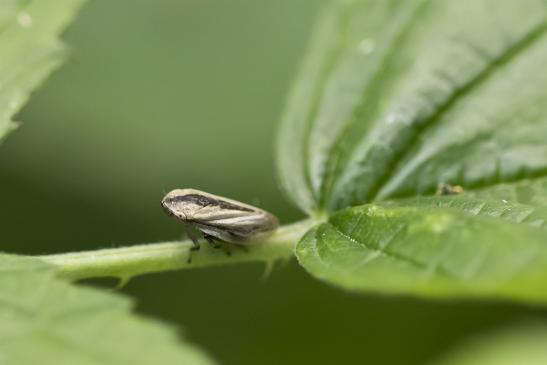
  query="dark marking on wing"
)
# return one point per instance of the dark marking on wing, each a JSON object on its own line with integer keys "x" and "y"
{"x": 206, "y": 201}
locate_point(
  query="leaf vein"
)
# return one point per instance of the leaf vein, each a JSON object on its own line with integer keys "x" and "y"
{"x": 511, "y": 52}
{"x": 422, "y": 266}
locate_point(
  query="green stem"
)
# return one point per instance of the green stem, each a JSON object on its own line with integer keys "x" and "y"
{"x": 126, "y": 262}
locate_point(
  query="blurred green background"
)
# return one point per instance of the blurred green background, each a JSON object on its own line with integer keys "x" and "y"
{"x": 166, "y": 94}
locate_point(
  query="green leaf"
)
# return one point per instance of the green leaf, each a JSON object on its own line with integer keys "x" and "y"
{"x": 527, "y": 191}
{"x": 30, "y": 49}
{"x": 523, "y": 344}
{"x": 503, "y": 209}
{"x": 44, "y": 320}
{"x": 440, "y": 247}
{"x": 395, "y": 97}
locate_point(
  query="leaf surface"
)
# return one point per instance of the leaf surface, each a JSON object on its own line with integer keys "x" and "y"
{"x": 442, "y": 247}
{"x": 44, "y": 320}
{"x": 30, "y": 49}
{"x": 395, "y": 97}
{"x": 526, "y": 191}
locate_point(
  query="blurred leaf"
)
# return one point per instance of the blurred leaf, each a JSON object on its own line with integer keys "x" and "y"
{"x": 439, "y": 247}
{"x": 30, "y": 49}
{"x": 518, "y": 345}
{"x": 44, "y": 320}
{"x": 397, "y": 96}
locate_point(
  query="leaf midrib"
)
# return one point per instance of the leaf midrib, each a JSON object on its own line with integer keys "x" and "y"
{"x": 333, "y": 161}
{"x": 496, "y": 63}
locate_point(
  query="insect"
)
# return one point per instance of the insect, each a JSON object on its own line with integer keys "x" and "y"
{"x": 218, "y": 218}
{"x": 446, "y": 189}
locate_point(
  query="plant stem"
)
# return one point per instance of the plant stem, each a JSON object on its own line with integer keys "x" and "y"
{"x": 127, "y": 262}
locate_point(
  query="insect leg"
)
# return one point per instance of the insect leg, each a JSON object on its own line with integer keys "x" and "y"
{"x": 192, "y": 236}
{"x": 216, "y": 243}
{"x": 212, "y": 241}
